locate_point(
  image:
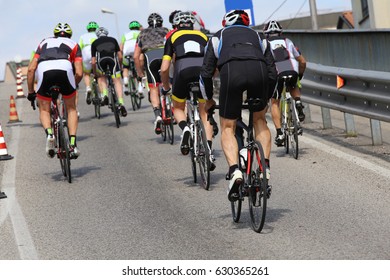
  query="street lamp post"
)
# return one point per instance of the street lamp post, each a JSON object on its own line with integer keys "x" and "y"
{"x": 107, "y": 11}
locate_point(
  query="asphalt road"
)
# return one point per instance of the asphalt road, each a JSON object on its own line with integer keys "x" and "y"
{"x": 133, "y": 196}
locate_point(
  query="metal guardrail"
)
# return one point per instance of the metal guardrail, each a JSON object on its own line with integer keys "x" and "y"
{"x": 364, "y": 93}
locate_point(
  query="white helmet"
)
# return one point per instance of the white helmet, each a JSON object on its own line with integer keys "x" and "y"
{"x": 183, "y": 18}
{"x": 272, "y": 27}
{"x": 235, "y": 17}
{"x": 101, "y": 32}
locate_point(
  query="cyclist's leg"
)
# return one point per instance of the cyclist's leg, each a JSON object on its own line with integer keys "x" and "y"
{"x": 209, "y": 132}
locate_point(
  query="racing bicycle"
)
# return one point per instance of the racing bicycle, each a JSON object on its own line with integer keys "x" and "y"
{"x": 290, "y": 123}
{"x": 133, "y": 85}
{"x": 199, "y": 148}
{"x": 167, "y": 131}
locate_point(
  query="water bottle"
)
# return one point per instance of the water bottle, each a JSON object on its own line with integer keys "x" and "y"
{"x": 243, "y": 158}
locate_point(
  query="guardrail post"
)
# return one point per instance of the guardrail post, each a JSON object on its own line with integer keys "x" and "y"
{"x": 307, "y": 112}
{"x": 376, "y": 132}
{"x": 326, "y": 119}
{"x": 350, "y": 125}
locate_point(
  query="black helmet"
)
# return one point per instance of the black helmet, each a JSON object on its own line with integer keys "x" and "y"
{"x": 155, "y": 20}
{"x": 272, "y": 27}
{"x": 172, "y": 15}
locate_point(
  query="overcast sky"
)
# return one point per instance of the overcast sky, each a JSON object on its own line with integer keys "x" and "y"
{"x": 24, "y": 23}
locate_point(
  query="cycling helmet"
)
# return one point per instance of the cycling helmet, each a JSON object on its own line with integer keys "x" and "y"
{"x": 92, "y": 26}
{"x": 235, "y": 17}
{"x": 101, "y": 32}
{"x": 155, "y": 20}
{"x": 63, "y": 30}
{"x": 134, "y": 25}
{"x": 172, "y": 15}
{"x": 272, "y": 27}
{"x": 183, "y": 18}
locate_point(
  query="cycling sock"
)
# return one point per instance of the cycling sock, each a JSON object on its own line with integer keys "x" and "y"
{"x": 49, "y": 131}
{"x": 232, "y": 169}
{"x": 105, "y": 92}
{"x": 267, "y": 162}
{"x": 182, "y": 124}
{"x": 210, "y": 143}
{"x": 120, "y": 100}
{"x": 125, "y": 80}
{"x": 279, "y": 131}
{"x": 157, "y": 112}
{"x": 72, "y": 140}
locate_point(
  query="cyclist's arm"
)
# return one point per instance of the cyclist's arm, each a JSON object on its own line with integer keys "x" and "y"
{"x": 164, "y": 71}
{"x": 31, "y": 74}
{"x": 302, "y": 65}
{"x": 137, "y": 62}
{"x": 78, "y": 66}
{"x": 207, "y": 71}
{"x": 271, "y": 68}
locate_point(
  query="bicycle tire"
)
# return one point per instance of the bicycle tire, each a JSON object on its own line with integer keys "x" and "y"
{"x": 193, "y": 161}
{"x": 64, "y": 140}
{"x": 169, "y": 116}
{"x": 114, "y": 106}
{"x": 60, "y": 148}
{"x": 203, "y": 156}
{"x": 236, "y": 209}
{"x": 257, "y": 197}
{"x": 294, "y": 137}
{"x": 96, "y": 99}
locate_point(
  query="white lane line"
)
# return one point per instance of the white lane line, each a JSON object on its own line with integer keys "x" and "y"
{"x": 374, "y": 167}
{"x": 10, "y": 206}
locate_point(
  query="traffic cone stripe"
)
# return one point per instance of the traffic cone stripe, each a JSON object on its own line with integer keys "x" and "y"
{"x": 13, "y": 114}
{"x": 19, "y": 81}
{"x": 3, "y": 147}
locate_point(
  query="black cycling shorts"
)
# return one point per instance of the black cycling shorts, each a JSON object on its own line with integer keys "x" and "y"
{"x": 111, "y": 63}
{"x": 153, "y": 60}
{"x": 236, "y": 77}
{"x": 186, "y": 70}
{"x": 291, "y": 82}
{"x": 55, "y": 77}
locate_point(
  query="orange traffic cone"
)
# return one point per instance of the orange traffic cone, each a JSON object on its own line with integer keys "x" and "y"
{"x": 19, "y": 81}
{"x": 13, "y": 114}
{"x": 3, "y": 147}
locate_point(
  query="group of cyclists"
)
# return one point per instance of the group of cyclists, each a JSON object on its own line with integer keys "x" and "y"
{"x": 169, "y": 59}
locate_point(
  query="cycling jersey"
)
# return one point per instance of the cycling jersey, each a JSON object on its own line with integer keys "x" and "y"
{"x": 152, "y": 38}
{"x": 245, "y": 63}
{"x": 129, "y": 40}
{"x": 105, "y": 50}
{"x": 85, "y": 43}
{"x": 56, "y": 56}
{"x": 188, "y": 46}
{"x": 285, "y": 54}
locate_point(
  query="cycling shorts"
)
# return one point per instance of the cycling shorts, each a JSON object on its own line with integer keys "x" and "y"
{"x": 55, "y": 72}
{"x": 111, "y": 63}
{"x": 186, "y": 70}
{"x": 153, "y": 60}
{"x": 291, "y": 82}
{"x": 236, "y": 77}
{"x": 86, "y": 53}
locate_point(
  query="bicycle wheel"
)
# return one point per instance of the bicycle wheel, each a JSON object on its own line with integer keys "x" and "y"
{"x": 114, "y": 106}
{"x": 133, "y": 93}
{"x": 169, "y": 117}
{"x": 236, "y": 208}
{"x": 257, "y": 197}
{"x": 60, "y": 148}
{"x": 193, "y": 161}
{"x": 203, "y": 156}
{"x": 96, "y": 99}
{"x": 294, "y": 134}
{"x": 64, "y": 143}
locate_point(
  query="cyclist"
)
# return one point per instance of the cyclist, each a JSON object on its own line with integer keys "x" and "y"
{"x": 244, "y": 62}
{"x": 187, "y": 46}
{"x": 150, "y": 44}
{"x": 85, "y": 43}
{"x": 105, "y": 51}
{"x": 53, "y": 62}
{"x": 127, "y": 47}
{"x": 288, "y": 61}
{"x": 174, "y": 27}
